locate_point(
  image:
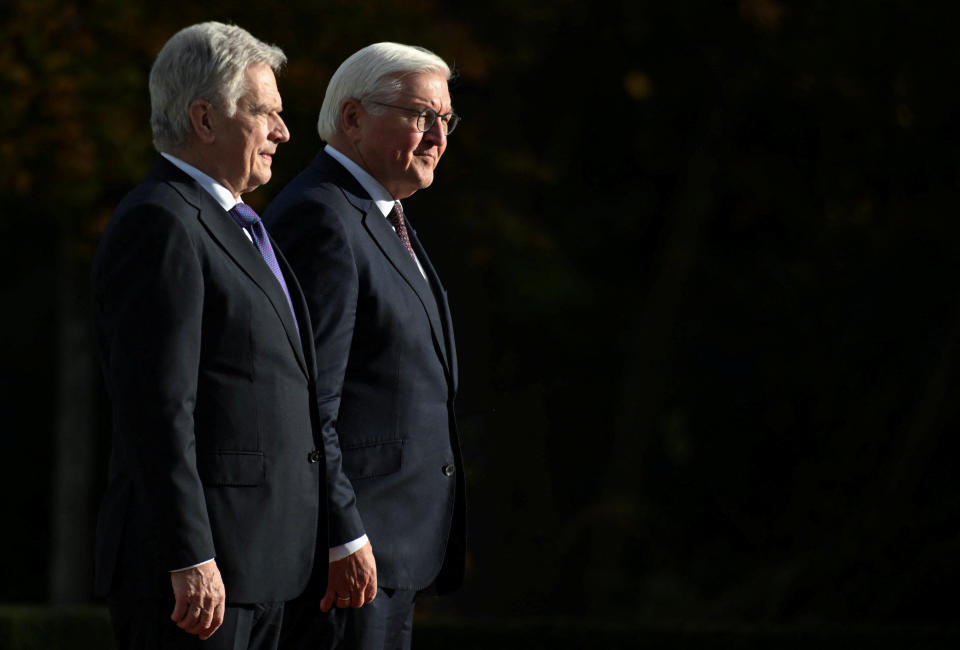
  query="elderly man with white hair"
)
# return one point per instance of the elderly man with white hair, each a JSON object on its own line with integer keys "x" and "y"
{"x": 215, "y": 504}
{"x": 386, "y": 359}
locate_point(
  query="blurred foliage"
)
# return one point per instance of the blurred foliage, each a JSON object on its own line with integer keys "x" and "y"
{"x": 71, "y": 628}
{"x": 702, "y": 258}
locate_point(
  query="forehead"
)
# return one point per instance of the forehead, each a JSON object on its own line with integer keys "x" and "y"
{"x": 261, "y": 85}
{"x": 429, "y": 88}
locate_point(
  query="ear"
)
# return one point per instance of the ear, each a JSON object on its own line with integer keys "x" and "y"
{"x": 200, "y": 112}
{"x": 351, "y": 114}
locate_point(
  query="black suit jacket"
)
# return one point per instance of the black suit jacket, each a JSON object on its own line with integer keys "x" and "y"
{"x": 215, "y": 436}
{"x": 386, "y": 373}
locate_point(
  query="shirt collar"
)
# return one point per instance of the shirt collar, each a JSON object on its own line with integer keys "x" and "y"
{"x": 214, "y": 188}
{"x": 377, "y": 192}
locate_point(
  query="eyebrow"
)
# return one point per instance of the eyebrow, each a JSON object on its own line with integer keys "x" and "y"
{"x": 264, "y": 108}
{"x": 428, "y": 106}
{"x": 415, "y": 99}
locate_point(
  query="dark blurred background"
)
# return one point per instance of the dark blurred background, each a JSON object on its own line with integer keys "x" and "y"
{"x": 703, "y": 264}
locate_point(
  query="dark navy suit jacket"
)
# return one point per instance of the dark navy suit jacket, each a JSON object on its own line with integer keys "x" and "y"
{"x": 386, "y": 373}
{"x": 216, "y": 448}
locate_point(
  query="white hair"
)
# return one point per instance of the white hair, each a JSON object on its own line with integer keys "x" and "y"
{"x": 205, "y": 61}
{"x": 376, "y": 73}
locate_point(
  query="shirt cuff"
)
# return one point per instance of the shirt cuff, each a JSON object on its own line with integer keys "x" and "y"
{"x": 345, "y": 550}
{"x": 192, "y": 566}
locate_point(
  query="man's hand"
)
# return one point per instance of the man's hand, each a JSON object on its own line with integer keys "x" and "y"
{"x": 352, "y": 581}
{"x": 201, "y": 599}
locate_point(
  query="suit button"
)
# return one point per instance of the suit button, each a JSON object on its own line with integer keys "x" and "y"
{"x": 448, "y": 470}
{"x": 314, "y": 456}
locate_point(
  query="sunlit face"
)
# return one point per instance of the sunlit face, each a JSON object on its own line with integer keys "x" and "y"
{"x": 246, "y": 142}
{"x": 390, "y": 146}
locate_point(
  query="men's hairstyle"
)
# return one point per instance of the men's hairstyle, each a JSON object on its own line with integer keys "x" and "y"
{"x": 204, "y": 61}
{"x": 376, "y": 73}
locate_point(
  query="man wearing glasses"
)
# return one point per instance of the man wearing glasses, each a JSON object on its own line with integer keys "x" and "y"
{"x": 386, "y": 361}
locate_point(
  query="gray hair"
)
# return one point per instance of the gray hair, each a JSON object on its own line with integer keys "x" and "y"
{"x": 204, "y": 61}
{"x": 376, "y": 73}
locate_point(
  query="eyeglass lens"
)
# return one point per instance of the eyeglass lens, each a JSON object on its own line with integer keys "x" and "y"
{"x": 428, "y": 118}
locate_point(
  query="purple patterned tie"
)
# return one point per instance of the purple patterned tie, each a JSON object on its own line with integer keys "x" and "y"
{"x": 245, "y": 216}
{"x": 396, "y": 219}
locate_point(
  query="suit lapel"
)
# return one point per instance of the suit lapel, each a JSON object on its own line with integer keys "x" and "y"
{"x": 389, "y": 244}
{"x": 441, "y": 303}
{"x": 231, "y": 238}
{"x": 305, "y": 334}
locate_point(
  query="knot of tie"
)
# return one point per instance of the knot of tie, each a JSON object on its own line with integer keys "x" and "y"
{"x": 245, "y": 215}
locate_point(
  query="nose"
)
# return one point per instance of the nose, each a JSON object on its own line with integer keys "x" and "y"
{"x": 278, "y": 130}
{"x": 436, "y": 134}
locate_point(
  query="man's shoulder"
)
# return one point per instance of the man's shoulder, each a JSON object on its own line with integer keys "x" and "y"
{"x": 155, "y": 209}
{"x": 165, "y": 189}
{"x": 320, "y": 191}
{"x": 150, "y": 193}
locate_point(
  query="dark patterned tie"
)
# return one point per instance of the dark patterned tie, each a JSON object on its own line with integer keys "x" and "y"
{"x": 245, "y": 216}
{"x": 399, "y": 224}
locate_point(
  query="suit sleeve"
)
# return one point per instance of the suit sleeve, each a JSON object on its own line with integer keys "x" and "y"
{"x": 322, "y": 259}
{"x": 148, "y": 288}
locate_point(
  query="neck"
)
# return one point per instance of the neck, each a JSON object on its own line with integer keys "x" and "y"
{"x": 199, "y": 158}
{"x": 343, "y": 144}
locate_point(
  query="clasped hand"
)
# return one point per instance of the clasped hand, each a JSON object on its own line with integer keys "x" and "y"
{"x": 351, "y": 581}
{"x": 200, "y": 599}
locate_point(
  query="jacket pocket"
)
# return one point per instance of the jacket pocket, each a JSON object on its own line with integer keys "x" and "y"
{"x": 232, "y": 468}
{"x": 375, "y": 459}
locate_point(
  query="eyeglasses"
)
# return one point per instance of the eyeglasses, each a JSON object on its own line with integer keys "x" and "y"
{"x": 426, "y": 118}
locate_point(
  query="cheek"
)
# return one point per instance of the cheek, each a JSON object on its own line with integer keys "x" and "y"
{"x": 405, "y": 157}
{"x": 411, "y": 142}
{"x": 255, "y": 140}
